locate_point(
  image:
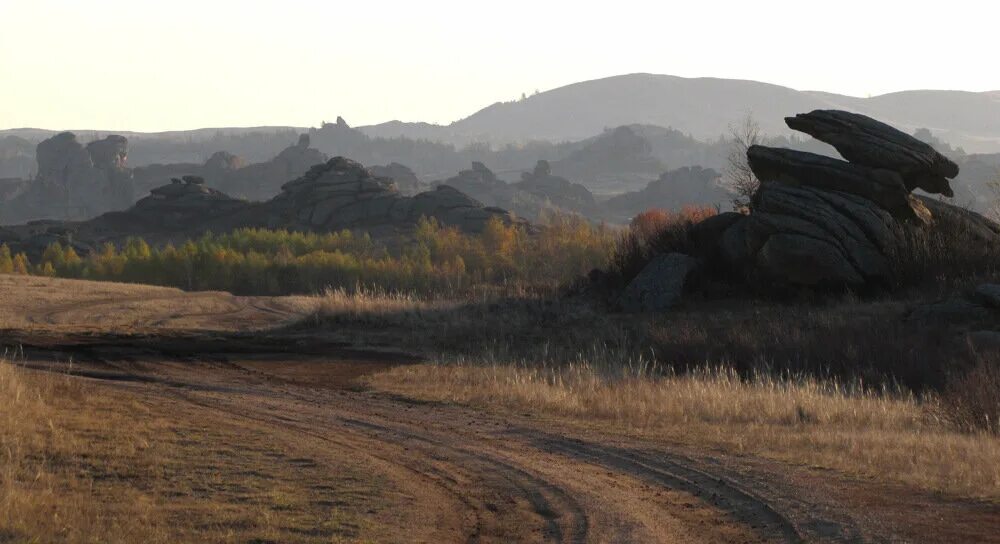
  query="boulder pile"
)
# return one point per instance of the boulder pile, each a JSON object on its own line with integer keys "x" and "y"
{"x": 821, "y": 222}
{"x": 818, "y": 221}
{"x": 342, "y": 193}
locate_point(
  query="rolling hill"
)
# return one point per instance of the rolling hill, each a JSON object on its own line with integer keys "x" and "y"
{"x": 704, "y": 108}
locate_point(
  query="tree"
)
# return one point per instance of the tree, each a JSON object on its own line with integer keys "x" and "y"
{"x": 21, "y": 264}
{"x": 6, "y": 261}
{"x": 738, "y": 174}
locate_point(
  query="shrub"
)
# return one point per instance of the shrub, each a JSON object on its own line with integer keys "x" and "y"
{"x": 653, "y": 232}
{"x": 971, "y": 399}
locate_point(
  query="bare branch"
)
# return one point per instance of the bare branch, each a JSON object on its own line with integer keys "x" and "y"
{"x": 738, "y": 175}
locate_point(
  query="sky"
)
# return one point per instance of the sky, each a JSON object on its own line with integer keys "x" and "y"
{"x": 152, "y": 66}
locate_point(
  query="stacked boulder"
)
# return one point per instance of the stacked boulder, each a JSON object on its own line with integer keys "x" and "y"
{"x": 817, "y": 221}
{"x": 342, "y": 193}
{"x": 823, "y": 222}
{"x": 74, "y": 181}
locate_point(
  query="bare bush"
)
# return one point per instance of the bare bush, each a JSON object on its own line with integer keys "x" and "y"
{"x": 971, "y": 400}
{"x": 739, "y": 177}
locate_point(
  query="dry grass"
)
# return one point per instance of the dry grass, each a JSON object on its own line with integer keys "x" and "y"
{"x": 373, "y": 306}
{"x": 58, "y": 448}
{"x": 888, "y": 436}
{"x": 83, "y": 462}
{"x": 40, "y": 303}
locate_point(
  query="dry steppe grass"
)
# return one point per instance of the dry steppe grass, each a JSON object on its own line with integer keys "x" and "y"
{"x": 59, "y": 446}
{"x": 889, "y": 436}
{"x": 85, "y": 462}
{"x": 816, "y": 384}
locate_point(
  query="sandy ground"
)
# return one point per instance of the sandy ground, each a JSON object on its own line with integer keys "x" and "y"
{"x": 402, "y": 471}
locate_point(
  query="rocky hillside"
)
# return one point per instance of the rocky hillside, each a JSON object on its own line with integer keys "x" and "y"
{"x": 331, "y": 196}
{"x": 687, "y": 186}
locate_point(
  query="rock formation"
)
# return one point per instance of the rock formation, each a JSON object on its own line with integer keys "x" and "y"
{"x": 865, "y": 141}
{"x": 618, "y": 160}
{"x": 660, "y": 284}
{"x": 558, "y": 191}
{"x": 344, "y": 194}
{"x": 818, "y": 221}
{"x": 232, "y": 175}
{"x": 73, "y": 181}
{"x": 406, "y": 181}
{"x": 335, "y": 195}
{"x": 481, "y": 183}
{"x": 821, "y": 222}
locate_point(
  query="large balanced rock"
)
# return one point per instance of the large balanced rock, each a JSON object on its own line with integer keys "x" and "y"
{"x": 865, "y": 141}
{"x": 823, "y": 222}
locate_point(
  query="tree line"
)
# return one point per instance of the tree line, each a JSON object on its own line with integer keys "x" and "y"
{"x": 436, "y": 259}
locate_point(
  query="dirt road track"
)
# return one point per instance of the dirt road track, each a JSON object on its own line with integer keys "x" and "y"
{"x": 450, "y": 474}
{"x": 460, "y": 475}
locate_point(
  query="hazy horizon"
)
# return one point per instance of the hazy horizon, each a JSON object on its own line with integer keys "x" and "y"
{"x": 111, "y": 65}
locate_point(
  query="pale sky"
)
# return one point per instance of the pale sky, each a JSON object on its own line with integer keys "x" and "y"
{"x": 182, "y": 64}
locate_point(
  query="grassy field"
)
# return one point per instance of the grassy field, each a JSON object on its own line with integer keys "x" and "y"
{"x": 814, "y": 385}
{"x": 888, "y": 437}
{"x": 84, "y": 462}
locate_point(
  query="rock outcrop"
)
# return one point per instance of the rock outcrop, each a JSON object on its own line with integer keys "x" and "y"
{"x": 74, "y": 181}
{"x": 342, "y": 194}
{"x": 822, "y": 222}
{"x": 406, "y": 180}
{"x": 558, "y": 191}
{"x": 232, "y": 175}
{"x": 660, "y": 285}
{"x": 336, "y": 195}
{"x": 618, "y": 160}
{"x": 481, "y": 183}
{"x": 865, "y": 141}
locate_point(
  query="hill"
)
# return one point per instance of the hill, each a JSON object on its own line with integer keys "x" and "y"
{"x": 704, "y": 108}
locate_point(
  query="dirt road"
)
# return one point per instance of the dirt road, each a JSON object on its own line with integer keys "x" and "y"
{"x": 451, "y": 474}
{"x": 283, "y": 416}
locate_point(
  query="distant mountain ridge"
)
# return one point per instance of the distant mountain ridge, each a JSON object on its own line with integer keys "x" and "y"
{"x": 705, "y": 108}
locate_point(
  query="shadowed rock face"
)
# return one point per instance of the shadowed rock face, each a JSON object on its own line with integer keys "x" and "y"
{"x": 818, "y": 221}
{"x": 865, "y": 141}
{"x": 798, "y": 168}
